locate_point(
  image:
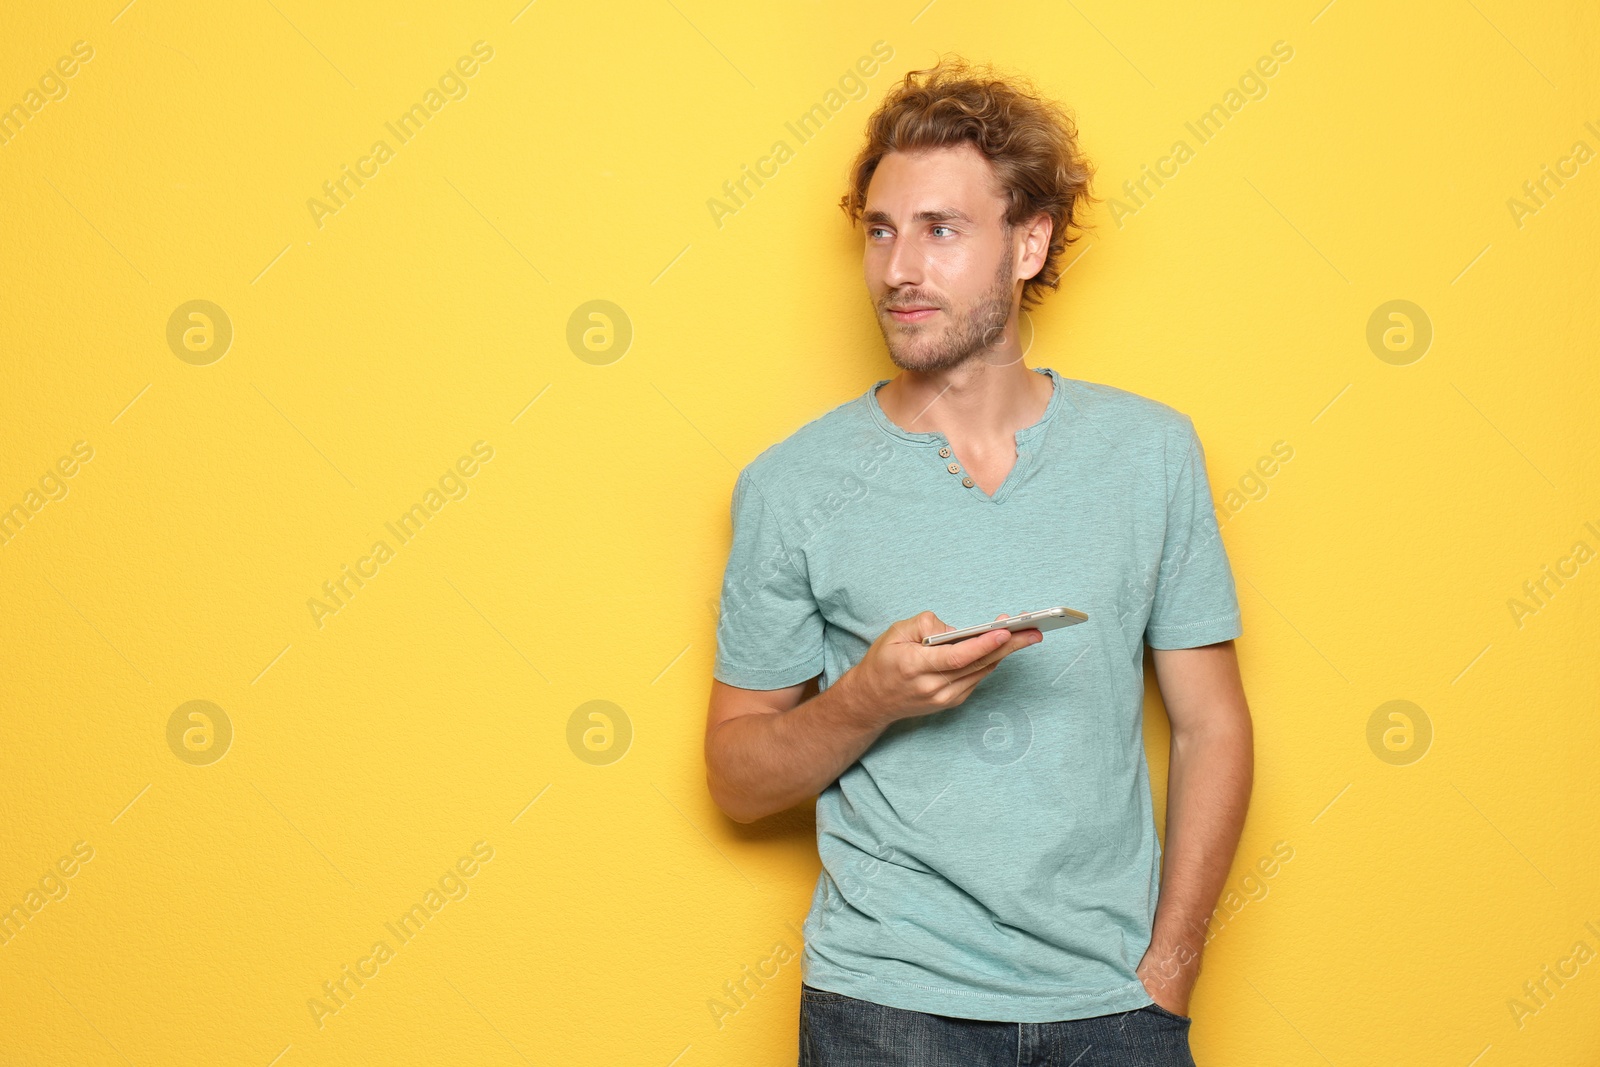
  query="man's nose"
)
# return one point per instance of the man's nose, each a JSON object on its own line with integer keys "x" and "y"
{"x": 905, "y": 265}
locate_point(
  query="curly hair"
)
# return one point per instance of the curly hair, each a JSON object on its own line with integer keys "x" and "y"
{"x": 1031, "y": 142}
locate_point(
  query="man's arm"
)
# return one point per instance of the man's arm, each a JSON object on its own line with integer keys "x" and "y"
{"x": 767, "y": 750}
{"x": 1208, "y": 791}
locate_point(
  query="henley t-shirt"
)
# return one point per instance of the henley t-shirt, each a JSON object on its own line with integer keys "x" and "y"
{"x": 997, "y": 860}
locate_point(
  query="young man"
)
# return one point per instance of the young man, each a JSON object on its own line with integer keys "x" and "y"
{"x": 992, "y": 890}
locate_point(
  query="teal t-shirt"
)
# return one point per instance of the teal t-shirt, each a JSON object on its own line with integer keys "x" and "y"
{"x": 997, "y": 860}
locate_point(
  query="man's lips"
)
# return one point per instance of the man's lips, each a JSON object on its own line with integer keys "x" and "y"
{"x": 913, "y": 313}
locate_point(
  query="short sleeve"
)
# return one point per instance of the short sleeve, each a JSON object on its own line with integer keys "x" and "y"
{"x": 1195, "y": 601}
{"x": 769, "y": 627}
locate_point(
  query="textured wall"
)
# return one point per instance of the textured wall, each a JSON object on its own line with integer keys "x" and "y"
{"x": 335, "y": 502}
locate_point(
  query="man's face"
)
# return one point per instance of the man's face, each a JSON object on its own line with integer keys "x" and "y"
{"x": 939, "y": 260}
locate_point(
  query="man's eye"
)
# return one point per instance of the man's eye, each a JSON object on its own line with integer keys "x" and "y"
{"x": 941, "y": 226}
{"x": 874, "y": 231}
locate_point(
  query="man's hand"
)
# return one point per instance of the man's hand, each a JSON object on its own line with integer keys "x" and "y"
{"x": 768, "y": 750}
{"x": 899, "y": 677}
{"x": 1168, "y": 972}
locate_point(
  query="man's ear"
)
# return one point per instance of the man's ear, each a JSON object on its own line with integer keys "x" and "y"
{"x": 1036, "y": 243}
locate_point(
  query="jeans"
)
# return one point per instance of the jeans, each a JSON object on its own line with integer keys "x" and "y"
{"x": 841, "y": 1031}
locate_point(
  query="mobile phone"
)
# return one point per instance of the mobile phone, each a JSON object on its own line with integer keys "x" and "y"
{"x": 1046, "y": 619}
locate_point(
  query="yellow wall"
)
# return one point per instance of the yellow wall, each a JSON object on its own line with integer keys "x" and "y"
{"x": 373, "y": 347}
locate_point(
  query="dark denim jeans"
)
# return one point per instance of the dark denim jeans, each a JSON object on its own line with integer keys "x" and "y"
{"x": 841, "y": 1031}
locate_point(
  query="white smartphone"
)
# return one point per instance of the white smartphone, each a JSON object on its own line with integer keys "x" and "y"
{"x": 1046, "y": 619}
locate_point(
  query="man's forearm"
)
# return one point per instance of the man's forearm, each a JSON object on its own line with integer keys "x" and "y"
{"x": 1208, "y": 793}
{"x": 760, "y": 764}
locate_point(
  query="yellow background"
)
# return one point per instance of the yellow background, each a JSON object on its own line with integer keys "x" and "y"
{"x": 429, "y": 312}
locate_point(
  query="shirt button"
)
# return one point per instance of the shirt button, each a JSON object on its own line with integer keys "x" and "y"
{"x": 967, "y": 482}
{"x": 944, "y": 453}
{"x": 954, "y": 468}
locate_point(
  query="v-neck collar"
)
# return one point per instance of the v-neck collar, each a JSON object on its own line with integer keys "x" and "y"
{"x": 1025, "y": 439}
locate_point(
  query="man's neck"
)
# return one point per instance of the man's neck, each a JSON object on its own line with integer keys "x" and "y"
{"x": 976, "y": 400}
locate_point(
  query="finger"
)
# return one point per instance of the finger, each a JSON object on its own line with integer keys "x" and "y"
{"x": 959, "y": 655}
{"x": 960, "y": 688}
{"x": 998, "y": 618}
{"x": 1012, "y": 643}
{"x": 1005, "y": 643}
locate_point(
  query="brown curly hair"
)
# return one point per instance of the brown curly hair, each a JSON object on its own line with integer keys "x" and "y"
{"x": 1031, "y": 142}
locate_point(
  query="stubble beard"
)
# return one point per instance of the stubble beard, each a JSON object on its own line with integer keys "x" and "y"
{"x": 968, "y": 336}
